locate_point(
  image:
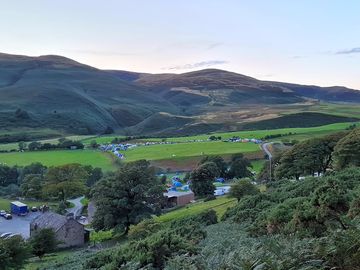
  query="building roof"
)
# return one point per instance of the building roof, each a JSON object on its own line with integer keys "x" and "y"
{"x": 177, "y": 194}
{"x": 50, "y": 220}
{"x": 19, "y": 204}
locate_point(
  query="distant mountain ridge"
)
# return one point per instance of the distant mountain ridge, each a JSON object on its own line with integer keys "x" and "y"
{"x": 59, "y": 93}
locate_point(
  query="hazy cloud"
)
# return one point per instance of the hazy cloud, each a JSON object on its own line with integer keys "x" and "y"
{"x": 297, "y": 57}
{"x": 202, "y": 64}
{"x": 350, "y": 51}
{"x": 214, "y": 45}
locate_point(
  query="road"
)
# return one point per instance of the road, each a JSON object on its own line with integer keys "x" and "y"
{"x": 78, "y": 207}
{"x": 18, "y": 225}
{"x": 265, "y": 148}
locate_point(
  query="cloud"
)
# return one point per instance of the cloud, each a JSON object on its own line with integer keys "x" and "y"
{"x": 297, "y": 57}
{"x": 350, "y": 51}
{"x": 202, "y": 64}
{"x": 214, "y": 45}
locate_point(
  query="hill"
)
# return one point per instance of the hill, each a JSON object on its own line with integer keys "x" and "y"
{"x": 58, "y": 95}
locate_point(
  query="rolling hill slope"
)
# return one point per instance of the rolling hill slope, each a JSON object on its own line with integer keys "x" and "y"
{"x": 59, "y": 93}
{"x": 65, "y": 96}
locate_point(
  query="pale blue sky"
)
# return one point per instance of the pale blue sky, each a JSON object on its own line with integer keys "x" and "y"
{"x": 308, "y": 41}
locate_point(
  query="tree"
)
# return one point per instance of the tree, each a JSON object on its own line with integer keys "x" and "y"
{"x": 126, "y": 197}
{"x": 220, "y": 163}
{"x": 94, "y": 175}
{"x": 8, "y": 175}
{"x": 31, "y": 186}
{"x": 239, "y": 167}
{"x": 163, "y": 179}
{"x": 65, "y": 181}
{"x": 13, "y": 252}
{"x": 94, "y": 144}
{"x": 33, "y": 146}
{"x": 243, "y": 188}
{"x": 202, "y": 179}
{"x": 22, "y": 146}
{"x": 34, "y": 168}
{"x": 44, "y": 241}
{"x": 308, "y": 157}
{"x": 347, "y": 150}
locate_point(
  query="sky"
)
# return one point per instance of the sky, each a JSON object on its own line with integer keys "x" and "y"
{"x": 300, "y": 41}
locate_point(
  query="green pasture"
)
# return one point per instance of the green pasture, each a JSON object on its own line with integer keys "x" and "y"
{"x": 15, "y": 146}
{"x": 59, "y": 157}
{"x": 257, "y": 165}
{"x": 346, "y": 109}
{"x": 100, "y": 139}
{"x": 258, "y": 134}
{"x": 220, "y": 205}
{"x": 175, "y": 151}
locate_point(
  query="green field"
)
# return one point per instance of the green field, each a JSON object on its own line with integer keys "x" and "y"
{"x": 257, "y": 165}
{"x": 53, "y": 158}
{"x": 15, "y": 146}
{"x": 171, "y": 152}
{"x": 176, "y": 151}
{"x": 100, "y": 139}
{"x": 5, "y": 203}
{"x": 220, "y": 205}
{"x": 258, "y": 134}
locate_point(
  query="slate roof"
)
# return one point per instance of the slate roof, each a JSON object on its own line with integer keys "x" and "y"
{"x": 171, "y": 194}
{"x": 50, "y": 220}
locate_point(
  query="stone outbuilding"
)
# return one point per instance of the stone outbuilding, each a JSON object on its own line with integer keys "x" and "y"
{"x": 179, "y": 198}
{"x": 68, "y": 231}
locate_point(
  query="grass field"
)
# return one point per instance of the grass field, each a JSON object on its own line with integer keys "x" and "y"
{"x": 306, "y": 132}
{"x": 15, "y": 146}
{"x": 100, "y": 139}
{"x": 5, "y": 203}
{"x": 59, "y": 157}
{"x": 257, "y": 165}
{"x": 166, "y": 152}
{"x": 220, "y": 205}
{"x": 348, "y": 109}
{"x": 175, "y": 151}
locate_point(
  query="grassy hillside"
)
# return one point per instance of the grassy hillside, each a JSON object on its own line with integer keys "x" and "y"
{"x": 67, "y": 97}
{"x": 306, "y": 132}
{"x": 60, "y": 157}
{"x": 297, "y": 120}
{"x": 220, "y": 205}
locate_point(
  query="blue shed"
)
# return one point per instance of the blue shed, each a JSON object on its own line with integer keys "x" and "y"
{"x": 18, "y": 208}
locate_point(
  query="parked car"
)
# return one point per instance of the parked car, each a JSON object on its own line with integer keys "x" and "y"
{"x": 34, "y": 209}
{"x": 2, "y": 213}
{"x": 8, "y": 216}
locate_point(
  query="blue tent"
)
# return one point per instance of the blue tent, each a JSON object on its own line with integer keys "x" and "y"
{"x": 177, "y": 184}
{"x": 220, "y": 180}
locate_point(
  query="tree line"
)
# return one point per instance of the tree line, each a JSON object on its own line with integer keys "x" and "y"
{"x": 39, "y": 182}
{"x": 316, "y": 156}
